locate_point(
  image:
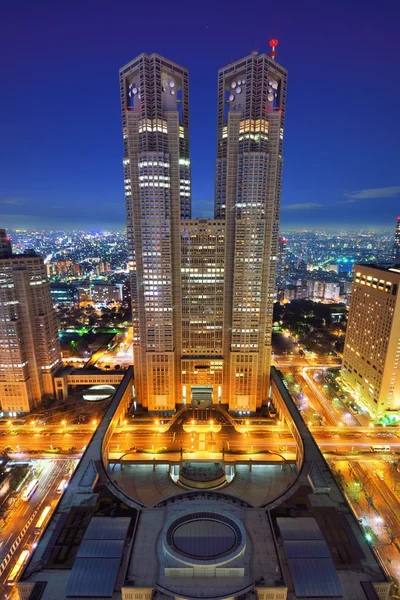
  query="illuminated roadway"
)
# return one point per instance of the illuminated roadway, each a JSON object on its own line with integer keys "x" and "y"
{"x": 50, "y": 474}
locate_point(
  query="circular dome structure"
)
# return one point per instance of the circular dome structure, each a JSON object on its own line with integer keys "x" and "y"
{"x": 204, "y": 536}
{"x": 96, "y": 393}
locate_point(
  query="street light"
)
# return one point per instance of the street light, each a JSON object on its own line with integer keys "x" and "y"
{"x": 94, "y": 422}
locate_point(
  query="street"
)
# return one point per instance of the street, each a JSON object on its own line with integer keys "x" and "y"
{"x": 18, "y": 533}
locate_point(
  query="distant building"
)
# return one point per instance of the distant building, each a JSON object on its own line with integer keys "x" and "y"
{"x": 29, "y": 345}
{"x": 280, "y": 265}
{"x": 63, "y": 268}
{"x": 322, "y": 290}
{"x": 104, "y": 267}
{"x": 64, "y": 294}
{"x": 5, "y": 244}
{"x": 396, "y": 245}
{"x": 100, "y": 293}
{"x": 295, "y": 292}
{"x": 345, "y": 265}
{"x": 331, "y": 290}
{"x": 372, "y": 345}
{"x": 332, "y": 267}
{"x": 318, "y": 290}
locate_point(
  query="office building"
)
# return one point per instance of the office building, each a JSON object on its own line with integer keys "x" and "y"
{"x": 173, "y": 317}
{"x": 64, "y": 294}
{"x": 251, "y": 108}
{"x": 372, "y": 345}
{"x": 154, "y": 97}
{"x": 396, "y": 244}
{"x": 100, "y": 293}
{"x": 29, "y": 345}
{"x": 280, "y": 268}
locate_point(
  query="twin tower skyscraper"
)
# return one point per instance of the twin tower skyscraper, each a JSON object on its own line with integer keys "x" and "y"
{"x": 202, "y": 289}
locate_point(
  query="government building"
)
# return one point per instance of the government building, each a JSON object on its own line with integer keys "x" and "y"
{"x": 203, "y": 289}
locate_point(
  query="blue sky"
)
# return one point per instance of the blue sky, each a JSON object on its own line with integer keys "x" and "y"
{"x": 60, "y": 128}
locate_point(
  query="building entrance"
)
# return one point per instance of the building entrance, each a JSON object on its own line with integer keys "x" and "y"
{"x": 202, "y": 395}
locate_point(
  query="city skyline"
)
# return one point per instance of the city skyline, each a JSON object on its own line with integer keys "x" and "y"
{"x": 341, "y": 189}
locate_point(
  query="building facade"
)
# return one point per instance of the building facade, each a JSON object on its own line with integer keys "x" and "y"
{"x": 372, "y": 346}
{"x": 251, "y": 108}
{"x": 29, "y": 345}
{"x": 100, "y": 293}
{"x": 280, "y": 268}
{"x": 396, "y": 244}
{"x": 154, "y": 98}
{"x": 202, "y": 290}
{"x": 203, "y": 254}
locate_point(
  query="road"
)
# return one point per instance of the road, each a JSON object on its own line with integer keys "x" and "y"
{"x": 351, "y": 438}
{"x": 121, "y": 355}
{"x": 383, "y": 499}
{"x": 13, "y": 536}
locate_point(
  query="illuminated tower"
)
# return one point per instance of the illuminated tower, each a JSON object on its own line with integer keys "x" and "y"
{"x": 251, "y": 108}
{"x": 154, "y": 98}
{"x": 396, "y": 245}
{"x": 282, "y": 241}
{"x": 29, "y": 347}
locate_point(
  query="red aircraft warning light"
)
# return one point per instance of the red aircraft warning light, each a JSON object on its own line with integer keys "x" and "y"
{"x": 273, "y": 44}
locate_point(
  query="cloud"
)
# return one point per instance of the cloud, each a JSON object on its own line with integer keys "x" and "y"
{"x": 12, "y": 201}
{"x": 302, "y": 206}
{"x": 385, "y": 192}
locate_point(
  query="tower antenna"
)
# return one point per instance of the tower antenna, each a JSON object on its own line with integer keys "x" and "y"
{"x": 273, "y": 44}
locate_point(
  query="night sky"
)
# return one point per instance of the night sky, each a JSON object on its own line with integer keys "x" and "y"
{"x": 60, "y": 126}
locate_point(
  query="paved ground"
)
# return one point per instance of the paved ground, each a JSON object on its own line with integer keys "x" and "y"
{"x": 259, "y": 486}
{"x": 262, "y": 484}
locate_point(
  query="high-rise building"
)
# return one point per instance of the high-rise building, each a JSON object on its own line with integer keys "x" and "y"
{"x": 154, "y": 98}
{"x": 372, "y": 346}
{"x": 280, "y": 274}
{"x": 29, "y": 345}
{"x": 202, "y": 291}
{"x": 251, "y": 108}
{"x": 396, "y": 244}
